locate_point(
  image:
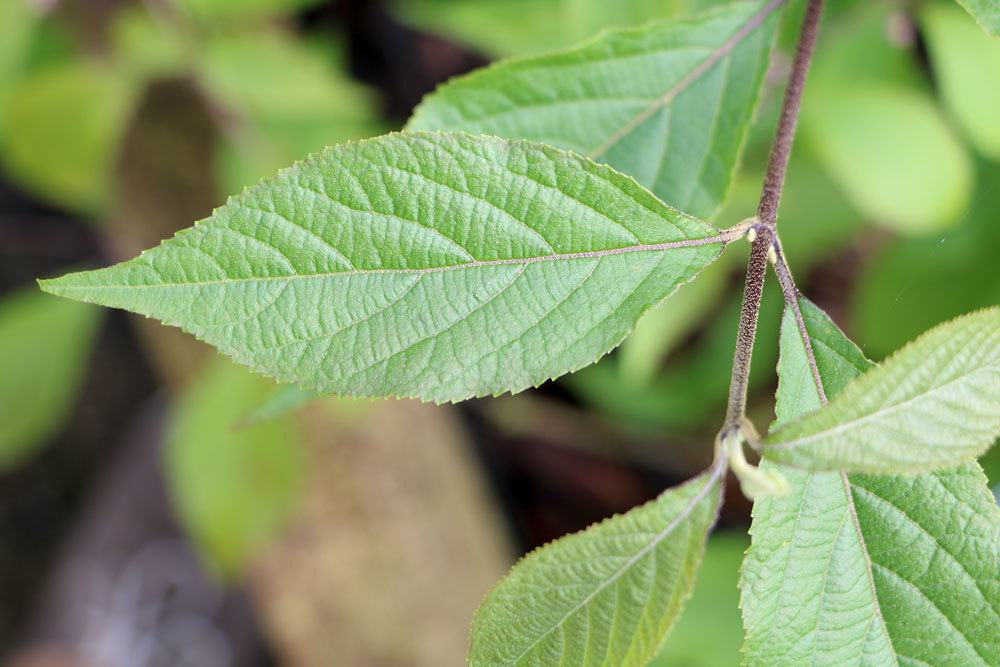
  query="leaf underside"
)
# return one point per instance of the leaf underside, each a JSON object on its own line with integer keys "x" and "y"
{"x": 605, "y": 596}
{"x": 668, "y": 104}
{"x": 934, "y": 404}
{"x": 440, "y": 266}
{"x": 861, "y": 569}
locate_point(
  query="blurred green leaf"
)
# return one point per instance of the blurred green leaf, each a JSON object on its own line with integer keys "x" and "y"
{"x": 966, "y": 66}
{"x": 232, "y": 486}
{"x": 870, "y": 119}
{"x": 281, "y": 401}
{"x": 518, "y": 27}
{"x": 668, "y": 104}
{"x": 68, "y": 119}
{"x": 214, "y": 12}
{"x": 286, "y": 99}
{"x": 709, "y": 632}
{"x": 663, "y": 327}
{"x": 145, "y": 47}
{"x": 893, "y": 153}
{"x": 986, "y": 13}
{"x": 913, "y": 284}
{"x": 20, "y": 20}
{"x": 693, "y": 388}
{"x": 44, "y": 348}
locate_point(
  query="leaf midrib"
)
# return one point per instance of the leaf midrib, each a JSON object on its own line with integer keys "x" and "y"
{"x": 723, "y": 50}
{"x": 854, "y": 423}
{"x": 723, "y": 237}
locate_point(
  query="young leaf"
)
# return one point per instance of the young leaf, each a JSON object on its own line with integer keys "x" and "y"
{"x": 823, "y": 583}
{"x": 667, "y": 104}
{"x": 986, "y": 13}
{"x": 605, "y": 596}
{"x": 932, "y": 405}
{"x": 418, "y": 264}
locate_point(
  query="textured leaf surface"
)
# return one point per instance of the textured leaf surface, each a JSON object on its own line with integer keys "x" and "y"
{"x": 419, "y": 264}
{"x": 986, "y": 13}
{"x": 605, "y": 596}
{"x": 232, "y": 484}
{"x": 667, "y": 104}
{"x": 871, "y": 570}
{"x": 934, "y": 404}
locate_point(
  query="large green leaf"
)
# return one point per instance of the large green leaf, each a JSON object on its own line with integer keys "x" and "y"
{"x": 605, "y": 596}
{"x": 893, "y": 570}
{"x": 232, "y": 484}
{"x": 986, "y": 12}
{"x": 667, "y": 104}
{"x": 44, "y": 347}
{"x": 934, "y": 404}
{"x": 418, "y": 264}
{"x": 967, "y": 68}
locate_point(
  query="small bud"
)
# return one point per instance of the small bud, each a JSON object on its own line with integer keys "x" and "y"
{"x": 752, "y": 234}
{"x": 772, "y": 255}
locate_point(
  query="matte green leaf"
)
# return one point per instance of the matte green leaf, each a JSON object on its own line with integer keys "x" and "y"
{"x": 44, "y": 347}
{"x": 873, "y": 570}
{"x": 518, "y": 27}
{"x": 710, "y": 632}
{"x": 986, "y": 13}
{"x": 286, "y": 99}
{"x": 911, "y": 285}
{"x": 967, "y": 68}
{"x": 604, "y": 596}
{"x": 232, "y": 484}
{"x": 69, "y": 119}
{"x": 872, "y": 121}
{"x": 934, "y": 404}
{"x": 668, "y": 104}
{"x": 282, "y": 401}
{"x": 418, "y": 264}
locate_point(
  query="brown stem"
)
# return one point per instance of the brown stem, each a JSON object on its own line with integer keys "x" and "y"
{"x": 767, "y": 213}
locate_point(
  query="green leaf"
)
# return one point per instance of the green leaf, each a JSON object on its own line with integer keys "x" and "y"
{"x": 44, "y": 348}
{"x": 69, "y": 119}
{"x": 214, "y": 12}
{"x": 710, "y": 632}
{"x": 934, "y": 404}
{"x": 910, "y": 285}
{"x": 986, "y": 13}
{"x": 282, "y": 401}
{"x": 668, "y": 104}
{"x": 604, "y": 596}
{"x": 894, "y": 570}
{"x": 967, "y": 68}
{"x": 873, "y": 123}
{"x": 232, "y": 485}
{"x": 285, "y": 99}
{"x": 517, "y": 27}
{"x": 418, "y": 264}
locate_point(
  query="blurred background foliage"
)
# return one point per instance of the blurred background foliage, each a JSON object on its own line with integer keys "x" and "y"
{"x": 192, "y": 509}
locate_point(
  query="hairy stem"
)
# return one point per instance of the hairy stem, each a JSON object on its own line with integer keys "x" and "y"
{"x": 766, "y": 240}
{"x": 792, "y": 295}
